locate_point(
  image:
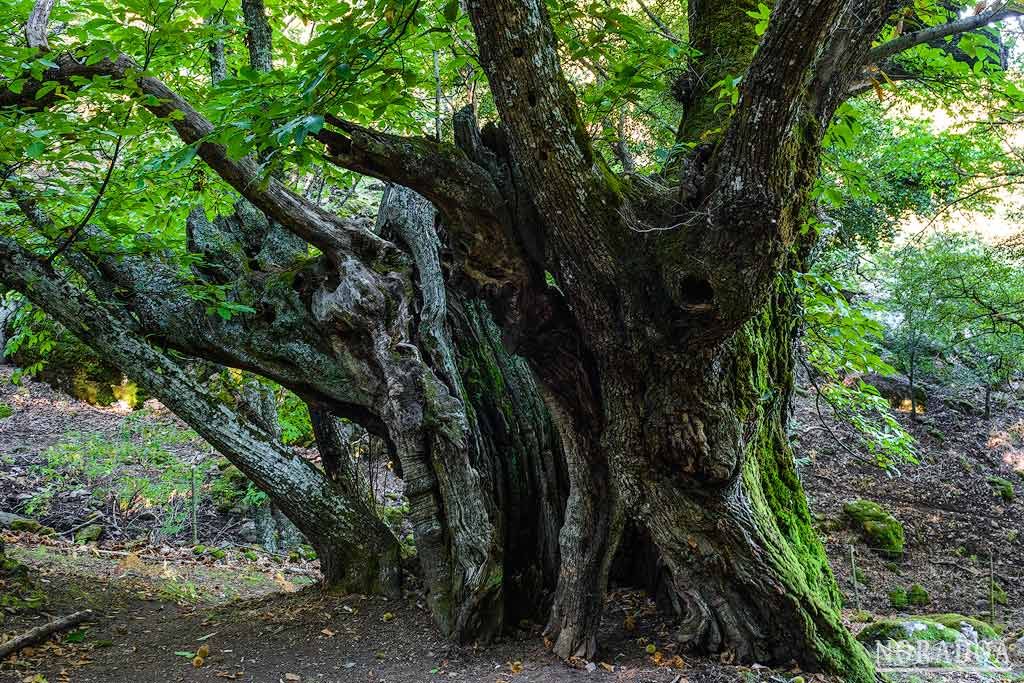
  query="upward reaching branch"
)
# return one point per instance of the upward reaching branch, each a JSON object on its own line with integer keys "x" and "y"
{"x": 519, "y": 54}
{"x": 1001, "y": 11}
{"x": 38, "y": 24}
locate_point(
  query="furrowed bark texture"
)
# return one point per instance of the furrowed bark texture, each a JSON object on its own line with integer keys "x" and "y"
{"x": 463, "y": 420}
{"x": 719, "y": 495}
{"x": 504, "y": 459}
{"x": 686, "y": 357}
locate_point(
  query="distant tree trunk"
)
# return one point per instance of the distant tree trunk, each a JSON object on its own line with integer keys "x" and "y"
{"x": 988, "y": 401}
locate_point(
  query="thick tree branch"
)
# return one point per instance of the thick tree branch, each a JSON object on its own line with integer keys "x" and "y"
{"x": 570, "y": 185}
{"x": 844, "y": 54}
{"x": 305, "y": 494}
{"x": 38, "y": 24}
{"x": 462, "y": 190}
{"x": 1001, "y": 11}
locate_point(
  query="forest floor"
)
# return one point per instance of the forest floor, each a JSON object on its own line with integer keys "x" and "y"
{"x": 263, "y": 620}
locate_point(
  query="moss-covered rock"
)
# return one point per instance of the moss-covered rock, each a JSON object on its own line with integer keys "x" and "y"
{"x": 898, "y": 598}
{"x": 879, "y": 529}
{"x": 18, "y": 589}
{"x": 910, "y": 629}
{"x": 961, "y": 623}
{"x": 89, "y": 534}
{"x": 918, "y": 596}
{"x": 24, "y": 524}
{"x": 5, "y": 411}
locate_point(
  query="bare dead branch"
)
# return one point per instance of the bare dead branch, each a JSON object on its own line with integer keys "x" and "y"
{"x": 44, "y": 631}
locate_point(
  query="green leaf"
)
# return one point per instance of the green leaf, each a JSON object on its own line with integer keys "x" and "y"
{"x": 75, "y": 637}
{"x": 35, "y": 150}
{"x": 451, "y": 11}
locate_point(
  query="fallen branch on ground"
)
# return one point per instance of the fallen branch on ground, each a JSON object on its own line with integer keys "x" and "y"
{"x": 41, "y": 633}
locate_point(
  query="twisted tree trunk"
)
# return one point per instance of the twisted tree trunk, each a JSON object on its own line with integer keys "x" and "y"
{"x": 655, "y": 315}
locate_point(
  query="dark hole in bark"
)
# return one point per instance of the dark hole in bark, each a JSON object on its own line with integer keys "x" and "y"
{"x": 517, "y": 52}
{"x": 532, "y": 98}
{"x": 638, "y": 565}
{"x": 695, "y": 291}
{"x": 253, "y": 264}
{"x": 267, "y": 313}
{"x": 543, "y": 155}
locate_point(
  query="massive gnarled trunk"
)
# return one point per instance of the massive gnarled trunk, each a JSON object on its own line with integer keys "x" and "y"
{"x": 718, "y": 493}
{"x": 464, "y": 422}
{"x": 654, "y": 315}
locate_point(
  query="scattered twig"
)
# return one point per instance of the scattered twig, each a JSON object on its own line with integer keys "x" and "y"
{"x": 91, "y": 519}
{"x": 41, "y": 633}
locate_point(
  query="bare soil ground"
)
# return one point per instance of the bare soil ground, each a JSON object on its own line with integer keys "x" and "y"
{"x": 260, "y": 627}
{"x": 263, "y": 619}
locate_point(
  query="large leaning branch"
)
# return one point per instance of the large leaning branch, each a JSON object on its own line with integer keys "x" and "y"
{"x": 1000, "y": 12}
{"x": 305, "y": 494}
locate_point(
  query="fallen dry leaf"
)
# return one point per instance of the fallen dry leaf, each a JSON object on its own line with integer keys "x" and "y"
{"x": 287, "y": 586}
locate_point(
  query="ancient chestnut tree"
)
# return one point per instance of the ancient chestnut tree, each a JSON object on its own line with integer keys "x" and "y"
{"x": 554, "y": 344}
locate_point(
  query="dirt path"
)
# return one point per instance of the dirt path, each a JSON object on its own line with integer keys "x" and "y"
{"x": 267, "y": 633}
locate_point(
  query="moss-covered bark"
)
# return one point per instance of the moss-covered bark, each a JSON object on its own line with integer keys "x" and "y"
{"x": 722, "y": 32}
{"x": 517, "y": 445}
{"x": 716, "y": 486}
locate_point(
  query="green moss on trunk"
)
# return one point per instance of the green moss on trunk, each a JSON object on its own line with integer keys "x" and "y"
{"x": 763, "y": 355}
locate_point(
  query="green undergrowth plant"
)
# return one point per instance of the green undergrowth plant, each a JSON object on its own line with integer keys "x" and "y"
{"x": 1003, "y": 488}
{"x": 841, "y": 342}
{"x": 43, "y": 349}
{"x": 134, "y": 469}
{"x": 232, "y": 490}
